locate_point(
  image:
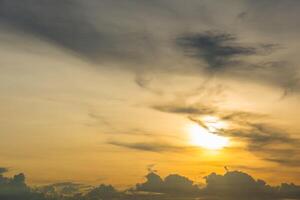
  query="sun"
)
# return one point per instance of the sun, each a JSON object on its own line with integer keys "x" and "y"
{"x": 206, "y": 137}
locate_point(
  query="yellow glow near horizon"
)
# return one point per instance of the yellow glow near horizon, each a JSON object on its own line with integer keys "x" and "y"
{"x": 205, "y": 137}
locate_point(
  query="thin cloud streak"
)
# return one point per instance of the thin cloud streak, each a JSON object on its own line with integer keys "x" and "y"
{"x": 157, "y": 147}
{"x": 261, "y": 138}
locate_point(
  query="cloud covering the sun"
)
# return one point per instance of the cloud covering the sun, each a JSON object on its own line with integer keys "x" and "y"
{"x": 263, "y": 139}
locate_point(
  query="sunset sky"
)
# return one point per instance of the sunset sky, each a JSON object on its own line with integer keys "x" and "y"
{"x": 102, "y": 91}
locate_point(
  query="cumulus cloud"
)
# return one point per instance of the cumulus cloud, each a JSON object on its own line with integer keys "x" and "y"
{"x": 237, "y": 185}
{"x": 172, "y": 184}
{"x": 232, "y": 185}
{"x": 154, "y": 183}
{"x": 103, "y": 192}
{"x": 15, "y": 188}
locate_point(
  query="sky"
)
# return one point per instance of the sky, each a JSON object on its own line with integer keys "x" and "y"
{"x": 106, "y": 91}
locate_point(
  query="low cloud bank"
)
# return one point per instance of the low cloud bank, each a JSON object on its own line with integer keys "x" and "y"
{"x": 231, "y": 185}
{"x": 15, "y": 188}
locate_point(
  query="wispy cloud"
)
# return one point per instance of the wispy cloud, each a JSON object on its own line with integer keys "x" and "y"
{"x": 218, "y": 50}
{"x": 262, "y": 138}
{"x": 70, "y": 25}
{"x": 62, "y": 22}
{"x": 157, "y": 147}
{"x": 223, "y": 55}
{"x": 101, "y": 38}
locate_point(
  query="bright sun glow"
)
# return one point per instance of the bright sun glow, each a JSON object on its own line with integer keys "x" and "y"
{"x": 206, "y": 137}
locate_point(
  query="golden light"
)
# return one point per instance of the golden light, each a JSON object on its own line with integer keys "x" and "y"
{"x": 205, "y": 136}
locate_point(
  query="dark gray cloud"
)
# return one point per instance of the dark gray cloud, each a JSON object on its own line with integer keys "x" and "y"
{"x": 232, "y": 185}
{"x": 154, "y": 183}
{"x": 69, "y": 24}
{"x": 198, "y": 109}
{"x": 218, "y": 50}
{"x": 63, "y": 189}
{"x": 152, "y": 146}
{"x": 15, "y": 188}
{"x": 289, "y": 190}
{"x": 143, "y": 41}
{"x": 172, "y": 184}
{"x": 3, "y": 170}
{"x": 266, "y": 141}
{"x": 62, "y": 22}
{"x": 103, "y": 192}
{"x": 236, "y": 185}
{"x": 221, "y": 54}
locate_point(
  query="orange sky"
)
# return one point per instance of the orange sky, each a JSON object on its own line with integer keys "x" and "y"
{"x": 101, "y": 97}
